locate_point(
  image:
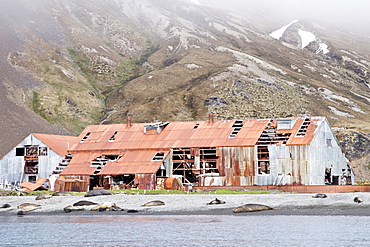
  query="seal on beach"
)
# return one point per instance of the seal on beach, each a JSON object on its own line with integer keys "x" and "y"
{"x": 43, "y": 196}
{"x": 27, "y": 207}
{"x": 319, "y": 195}
{"x": 106, "y": 206}
{"x": 84, "y": 203}
{"x": 251, "y": 208}
{"x": 6, "y": 205}
{"x": 357, "y": 199}
{"x": 61, "y": 194}
{"x": 216, "y": 201}
{"x": 153, "y": 203}
{"x": 97, "y": 192}
{"x": 69, "y": 208}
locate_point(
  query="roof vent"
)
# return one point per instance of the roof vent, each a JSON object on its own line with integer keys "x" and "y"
{"x": 158, "y": 126}
{"x": 238, "y": 124}
{"x": 196, "y": 126}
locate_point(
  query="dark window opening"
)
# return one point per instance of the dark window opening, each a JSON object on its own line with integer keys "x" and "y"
{"x": 263, "y": 160}
{"x": 328, "y": 142}
{"x": 85, "y": 137}
{"x": 19, "y": 152}
{"x": 158, "y": 157}
{"x": 31, "y": 167}
{"x": 32, "y": 179}
{"x": 113, "y": 137}
{"x": 263, "y": 167}
{"x": 328, "y": 176}
{"x": 43, "y": 151}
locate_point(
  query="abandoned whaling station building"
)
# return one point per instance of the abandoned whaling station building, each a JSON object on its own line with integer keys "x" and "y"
{"x": 286, "y": 151}
{"x": 35, "y": 157}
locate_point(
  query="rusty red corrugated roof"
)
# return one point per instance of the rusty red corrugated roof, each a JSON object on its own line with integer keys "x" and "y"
{"x": 134, "y": 162}
{"x": 58, "y": 143}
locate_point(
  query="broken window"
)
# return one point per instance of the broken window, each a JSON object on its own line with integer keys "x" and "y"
{"x": 43, "y": 151}
{"x": 158, "y": 157}
{"x": 263, "y": 160}
{"x": 113, "y": 137}
{"x": 238, "y": 124}
{"x": 85, "y": 137}
{"x": 32, "y": 152}
{"x": 190, "y": 164}
{"x": 31, "y": 166}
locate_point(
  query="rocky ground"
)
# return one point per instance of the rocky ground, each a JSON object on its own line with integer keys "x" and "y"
{"x": 190, "y": 204}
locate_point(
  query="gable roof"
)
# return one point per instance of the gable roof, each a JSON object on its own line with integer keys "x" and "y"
{"x": 187, "y": 135}
{"x": 136, "y": 144}
{"x": 58, "y": 143}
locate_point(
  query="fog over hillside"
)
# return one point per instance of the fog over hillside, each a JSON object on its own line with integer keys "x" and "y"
{"x": 67, "y": 64}
{"x": 341, "y": 13}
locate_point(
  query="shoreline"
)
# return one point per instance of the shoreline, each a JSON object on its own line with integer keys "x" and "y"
{"x": 196, "y": 204}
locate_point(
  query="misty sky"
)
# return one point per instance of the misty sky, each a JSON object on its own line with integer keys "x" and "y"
{"x": 354, "y": 13}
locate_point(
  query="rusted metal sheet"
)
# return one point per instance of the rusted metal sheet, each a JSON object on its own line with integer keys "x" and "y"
{"x": 135, "y": 162}
{"x": 237, "y": 165}
{"x": 298, "y": 188}
{"x": 34, "y": 186}
{"x": 72, "y": 184}
{"x": 145, "y": 181}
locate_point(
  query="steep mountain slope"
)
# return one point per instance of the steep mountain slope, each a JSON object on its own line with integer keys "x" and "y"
{"x": 83, "y": 62}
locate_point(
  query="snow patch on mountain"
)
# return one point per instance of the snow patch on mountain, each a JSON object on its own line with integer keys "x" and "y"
{"x": 333, "y": 97}
{"x": 306, "y": 38}
{"x": 247, "y": 59}
{"x": 339, "y": 113}
{"x": 278, "y": 33}
{"x": 322, "y": 48}
{"x": 195, "y": 2}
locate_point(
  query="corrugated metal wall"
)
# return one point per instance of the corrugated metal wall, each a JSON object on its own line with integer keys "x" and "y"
{"x": 237, "y": 165}
{"x": 12, "y": 166}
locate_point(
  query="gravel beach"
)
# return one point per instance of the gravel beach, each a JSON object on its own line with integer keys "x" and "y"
{"x": 196, "y": 204}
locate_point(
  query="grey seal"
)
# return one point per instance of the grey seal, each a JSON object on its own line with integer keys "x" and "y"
{"x": 97, "y": 192}
{"x": 43, "y": 196}
{"x": 6, "y": 205}
{"x": 61, "y": 194}
{"x": 320, "y": 195}
{"x": 153, "y": 203}
{"x": 251, "y": 208}
{"x": 111, "y": 206}
{"x": 28, "y": 207}
{"x": 84, "y": 203}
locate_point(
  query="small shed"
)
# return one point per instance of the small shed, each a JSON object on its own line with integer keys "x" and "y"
{"x": 241, "y": 152}
{"x": 35, "y": 157}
